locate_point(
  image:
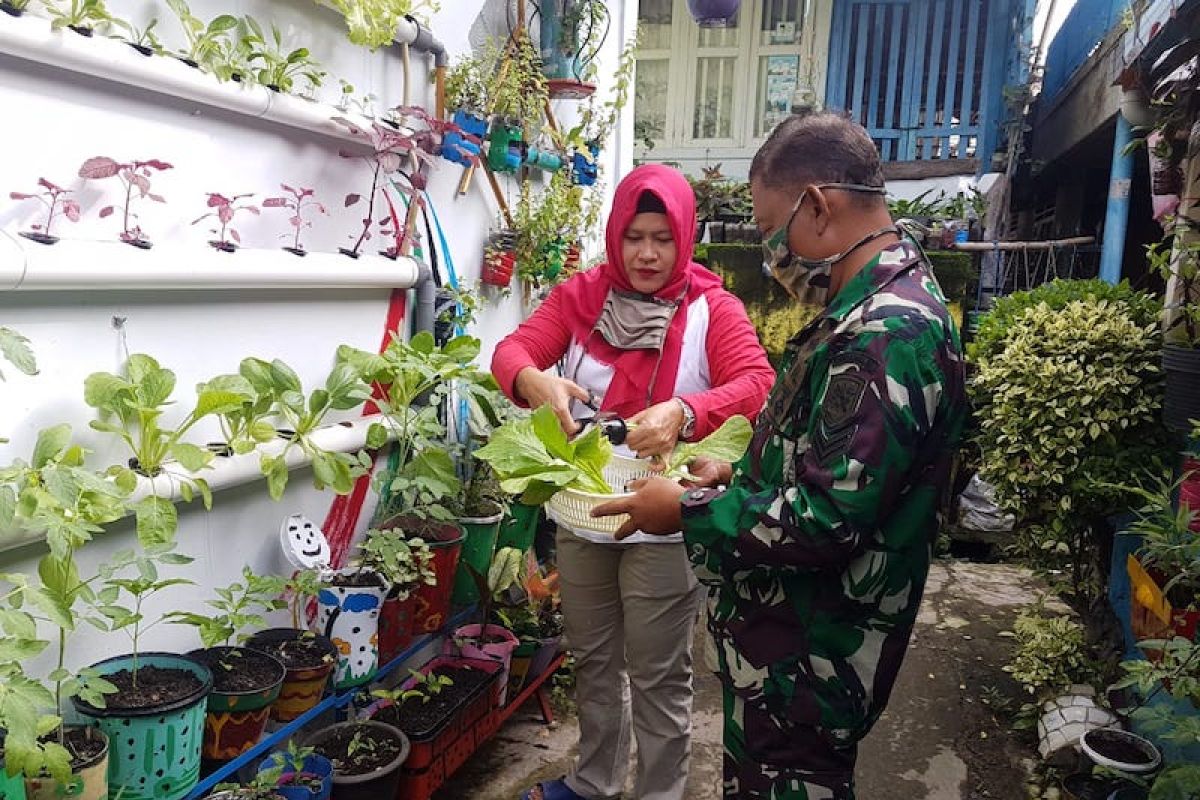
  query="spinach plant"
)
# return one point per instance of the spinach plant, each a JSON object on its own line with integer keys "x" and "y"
{"x": 144, "y": 40}
{"x": 343, "y": 390}
{"x": 727, "y": 443}
{"x": 136, "y": 401}
{"x": 423, "y": 685}
{"x": 300, "y": 199}
{"x": 225, "y": 208}
{"x": 238, "y": 606}
{"x": 15, "y": 349}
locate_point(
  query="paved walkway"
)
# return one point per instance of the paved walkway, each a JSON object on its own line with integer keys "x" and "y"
{"x": 938, "y": 739}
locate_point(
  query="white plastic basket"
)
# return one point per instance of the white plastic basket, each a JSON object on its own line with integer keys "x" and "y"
{"x": 572, "y": 508}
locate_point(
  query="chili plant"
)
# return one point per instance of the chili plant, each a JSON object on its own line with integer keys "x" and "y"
{"x": 226, "y": 208}
{"x": 133, "y": 175}
{"x": 137, "y": 401}
{"x": 301, "y": 199}
{"x": 54, "y": 197}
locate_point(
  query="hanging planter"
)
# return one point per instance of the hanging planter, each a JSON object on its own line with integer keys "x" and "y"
{"x": 348, "y": 614}
{"x": 89, "y": 769}
{"x": 572, "y": 32}
{"x": 245, "y": 684}
{"x": 154, "y": 746}
{"x": 307, "y": 657}
{"x": 713, "y": 13}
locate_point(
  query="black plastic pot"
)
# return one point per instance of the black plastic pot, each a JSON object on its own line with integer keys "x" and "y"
{"x": 82, "y": 30}
{"x": 1182, "y": 401}
{"x": 141, "y": 48}
{"x": 382, "y": 782}
{"x": 40, "y": 238}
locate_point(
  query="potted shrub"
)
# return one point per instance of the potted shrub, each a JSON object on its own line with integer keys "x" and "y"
{"x": 547, "y": 225}
{"x": 406, "y": 564}
{"x": 1173, "y": 673}
{"x": 245, "y": 681}
{"x": 1179, "y": 267}
{"x": 366, "y": 757}
{"x": 155, "y": 719}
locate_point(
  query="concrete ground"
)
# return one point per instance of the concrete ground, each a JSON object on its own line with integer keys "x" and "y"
{"x": 938, "y": 740}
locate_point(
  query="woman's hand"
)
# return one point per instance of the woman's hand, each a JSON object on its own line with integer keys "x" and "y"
{"x": 655, "y": 431}
{"x": 539, "y": 388}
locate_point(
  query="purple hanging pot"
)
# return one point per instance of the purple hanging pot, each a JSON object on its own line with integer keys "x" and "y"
{"x": 713, "y": 13}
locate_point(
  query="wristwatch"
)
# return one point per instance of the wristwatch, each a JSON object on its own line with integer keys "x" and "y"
{"x": 689, "y": 419}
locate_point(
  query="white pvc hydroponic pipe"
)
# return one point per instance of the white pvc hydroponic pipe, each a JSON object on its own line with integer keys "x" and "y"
{"x": 31, "y": 38}
{"x": 77, "y": 264}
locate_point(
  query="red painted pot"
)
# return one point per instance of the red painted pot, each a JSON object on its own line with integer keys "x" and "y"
{"x": 432, "y": 603}
{"x": 498, "y": 268}
{"x": 396, "y": 626}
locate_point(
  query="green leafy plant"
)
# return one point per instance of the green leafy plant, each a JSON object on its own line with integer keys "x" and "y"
{"x": 144, "y": 40}
{"x": 406, "y": 563}
{"x": 247, "y": 425}
{"x": 518, "y": 88}
{"x": 1067, "y": 401}
{"x": 412, "y": 380}
{"x": 1169, "y": 546}
{"x": 137, "y": 401}
{"x": 141, "y": 584}
{"x": 80, "y": 14}
{"x": 238, "y": 606}
{"x": 372, "y": 23}
{"x": 717, "y": 195}
{"x": 1051, "y": 656}
{"x": 598, "y": 119}
{"x": 548, "y": 224}
{"x": 205, "y": 42}
{"x": 535, "y": 459}
{"x": 276, "y": 67}
{"x": 1175, "y": 668}
{"x": 343, "y": 391}
{"x": 298, "y": 589}
{"x": 1176, "y": 258}
{"x": 918, "y": 207}
{"x": 727, "y": 443}
{"x": 1177, "y": 782}
{"x": 15, "y": 349}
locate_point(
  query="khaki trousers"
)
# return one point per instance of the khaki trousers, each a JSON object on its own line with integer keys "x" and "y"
{"x": 630, "y": 611}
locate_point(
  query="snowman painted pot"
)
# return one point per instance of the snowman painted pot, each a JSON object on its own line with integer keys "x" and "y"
{"x": 348, "y": 614}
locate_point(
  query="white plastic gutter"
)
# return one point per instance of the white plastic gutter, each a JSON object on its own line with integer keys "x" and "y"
{"x": 79, "y": 264}
{"x": 31, "y": 38}
{"x": 229, "y": 471}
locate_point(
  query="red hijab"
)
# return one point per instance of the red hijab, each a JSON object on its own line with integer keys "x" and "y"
{"x": 586, "y": 292}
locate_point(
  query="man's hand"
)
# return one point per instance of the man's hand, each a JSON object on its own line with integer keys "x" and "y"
{"x": 538, "y": 388}
{"x": 705, "y": 472}
{"x": 657, "y": 429}
{"x": 653, "y": 508}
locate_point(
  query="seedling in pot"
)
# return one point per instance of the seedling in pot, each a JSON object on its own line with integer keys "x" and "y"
{"x": 228, "y": 238}
{"x": 133, "y": 174}
{"x": 143, "y": 40}
{"x": 235, "y": 608}
{"x": 301, "y": 199}
{"x": 54, "y": 197}
{"x": 14, "y": 8}
{"x": 204, "y": 42}
{"x": 425, "y": 685}
{"x": 81, "y": 16}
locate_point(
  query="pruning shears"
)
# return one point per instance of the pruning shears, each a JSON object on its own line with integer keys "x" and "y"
{"x": 612, "y": 427}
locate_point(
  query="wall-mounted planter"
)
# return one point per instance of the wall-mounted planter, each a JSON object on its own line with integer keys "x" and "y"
{"x": 89, "y": 777}
{"x": 309, "y": 659}
{"x": 245, "y": 684}
{"x": 349, "y": 616}
{"x": 154, "y": 750}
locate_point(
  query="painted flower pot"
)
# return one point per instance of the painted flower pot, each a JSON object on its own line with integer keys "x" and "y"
{"x": 316, "y": 766}
{"x": 154, "y": 751}
{"x": 396, "y": 625}
{"x": 470, "y": 641}
{"x": 377, "y": 784}
{"x": 477, "y": 550}
{"x": 89, "y": 780}
{"x": 235, "y": 719}
{"x": 445, "y": 541}
{"x": 349, "y": 617}
{"x": 303, "y": 684}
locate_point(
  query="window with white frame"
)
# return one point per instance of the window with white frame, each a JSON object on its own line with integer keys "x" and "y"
{"x": 718, "y": 88}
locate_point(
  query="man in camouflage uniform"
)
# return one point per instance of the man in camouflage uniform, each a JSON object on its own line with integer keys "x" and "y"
{"x": 816, "y": 553}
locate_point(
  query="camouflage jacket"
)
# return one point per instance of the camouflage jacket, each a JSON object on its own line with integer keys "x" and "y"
{"x": 816, "y": 554}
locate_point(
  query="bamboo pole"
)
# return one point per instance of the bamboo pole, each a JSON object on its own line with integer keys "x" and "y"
{"x": 986, "y": 247}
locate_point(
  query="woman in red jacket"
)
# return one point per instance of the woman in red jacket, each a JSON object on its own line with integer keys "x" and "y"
{"x": 652, "y": 336}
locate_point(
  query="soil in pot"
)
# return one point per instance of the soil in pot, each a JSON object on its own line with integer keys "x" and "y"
{"x": 1116, "y": 746}
{"x": 89, "y": 767}
{"x": 236, "y": 671}
{"x": 303, "y": 652}
{"x": 416, "y": 717}
{"x": 365, "y": 578}
{"x": 155, "y": 686}
{"x": 374, "y": 749}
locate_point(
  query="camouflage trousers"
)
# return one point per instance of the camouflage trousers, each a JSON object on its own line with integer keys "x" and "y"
{"x": 767, "y": 758}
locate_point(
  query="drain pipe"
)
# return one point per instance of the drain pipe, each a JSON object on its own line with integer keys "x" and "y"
{"x": 421, "y": 39}
{"x": 425, "y": 292}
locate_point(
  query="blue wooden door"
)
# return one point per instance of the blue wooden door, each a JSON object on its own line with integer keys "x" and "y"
{"x": 917, "y": 74}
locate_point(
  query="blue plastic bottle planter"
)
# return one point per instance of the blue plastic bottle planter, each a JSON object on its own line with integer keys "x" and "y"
{"x": 455, "y": 147}
{"x": 316, "y": 765}
{"x": 154, "y": 752}
{"x": 349, "y": 616}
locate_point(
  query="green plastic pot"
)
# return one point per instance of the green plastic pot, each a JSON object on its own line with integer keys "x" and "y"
{"x": 519, "y": 527}
{"x": 477, "y": 550}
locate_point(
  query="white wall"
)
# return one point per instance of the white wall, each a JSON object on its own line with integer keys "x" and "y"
{"x": 56, "y": 119}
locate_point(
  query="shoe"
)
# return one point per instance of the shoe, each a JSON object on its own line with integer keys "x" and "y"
{"x": 551, "y": 790}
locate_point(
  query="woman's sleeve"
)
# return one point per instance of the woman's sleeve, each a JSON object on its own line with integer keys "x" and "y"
{"x": 740, "y": 374}
{"x": 539, "y": 342}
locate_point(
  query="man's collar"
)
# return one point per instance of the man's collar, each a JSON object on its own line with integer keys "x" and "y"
{"x": 878, "y": 273}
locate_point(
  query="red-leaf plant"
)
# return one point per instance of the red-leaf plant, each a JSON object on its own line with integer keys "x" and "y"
{"x": 52, "y": 198}
{"x": 226, "y": 207}
{"x": 390, "y": 147}
{"x": 133, "y": 175}
{"x": 296, "y": 204}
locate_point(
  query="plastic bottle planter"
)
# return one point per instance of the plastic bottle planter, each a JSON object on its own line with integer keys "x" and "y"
{"x": 456, "y": 147}
{"x": 315, "y": 766}
{"x": 89, "y": 781}
{"x": 477, "y": 550}
{"x": 349, "y": 616}
{"x": 498, "y": 266}
{"x": 154, "y": 752}
{"x": 396, "y": 625}
{"x": 470, "y": 641}
{"x": 308, "y": 670}
{"x": 11, "y": 788}
{"x": 584, "y": 170}
{"x": 235, "y": 720}
{"x": 433, "y": 602}
{"x": 378, "y": 784}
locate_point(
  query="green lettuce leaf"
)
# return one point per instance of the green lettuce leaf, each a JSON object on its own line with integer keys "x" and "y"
{"x": 727, "y": 443}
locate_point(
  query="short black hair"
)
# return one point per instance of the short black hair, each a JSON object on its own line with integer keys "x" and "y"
{"x": 821, "y": 147}
{"x": 650, "y": 203}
